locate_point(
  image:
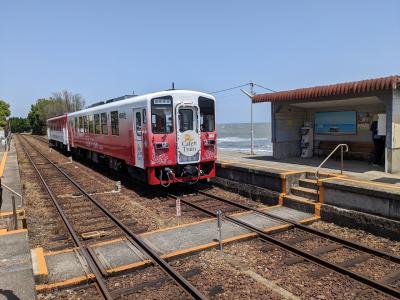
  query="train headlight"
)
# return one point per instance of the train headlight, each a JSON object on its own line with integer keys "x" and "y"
{"x": 162, "y": 145}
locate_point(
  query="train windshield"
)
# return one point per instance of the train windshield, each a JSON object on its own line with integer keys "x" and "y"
{"x": 207, "y": 114}
{"x": 161, "y": 115}
{"x": 185, "y": 119}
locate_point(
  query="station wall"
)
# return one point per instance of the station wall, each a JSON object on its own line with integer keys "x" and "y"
{"x": 363, "y": 132}
{"x": 288, "y": 119}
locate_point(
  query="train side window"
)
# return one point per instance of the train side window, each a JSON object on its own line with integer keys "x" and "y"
{"x": 104, "y": 128}
{"x": 97, "y": 124}
{"x": 207, "y": 114}
{"x": 161, "y": 115}
{"x": 185, "y": 119}
{"x": 85, "y": 124}
{"x": 91, "y": 127}
{"x": 144, "y": 116}
{"x": 138, "y": 123}
{"x": 80, "y": 125}
{"x": 114, "y": 123}
{"x": 76, "y": 124}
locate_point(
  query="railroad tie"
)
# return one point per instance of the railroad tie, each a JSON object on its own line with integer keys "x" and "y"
{"x": 317, "y": 252}
{"x": 390, "y": 278}
{"x": 344, "y": 264}
{"x": 292, "y": 241}
{"x": 151, "y": 284}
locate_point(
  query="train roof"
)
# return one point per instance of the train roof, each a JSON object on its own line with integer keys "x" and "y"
{"x": 134, "y": 98}
{"x": 57, "y": 117}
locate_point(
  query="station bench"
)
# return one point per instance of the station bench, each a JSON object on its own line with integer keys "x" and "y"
{"x": 357, "y": 150}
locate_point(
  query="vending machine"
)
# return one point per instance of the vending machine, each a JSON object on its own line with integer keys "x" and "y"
{"x": 307, "y": 141}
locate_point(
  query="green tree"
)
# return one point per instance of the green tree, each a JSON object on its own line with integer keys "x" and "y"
{"x": 38, "y": 115}
{"x": 19, "y": 125}
{"x": 58, "y": 104}
{"x": 4, "y": 113}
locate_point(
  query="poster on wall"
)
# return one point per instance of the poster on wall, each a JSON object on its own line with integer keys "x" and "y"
{"x": 336, "y": 122}
{"x": 364, "y": 120}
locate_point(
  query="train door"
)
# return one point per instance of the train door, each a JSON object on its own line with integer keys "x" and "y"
{"x": 188, "y": 134}
{"x": 138, "y": 137}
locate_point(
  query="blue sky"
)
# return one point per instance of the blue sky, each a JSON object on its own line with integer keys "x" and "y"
{"x": 103, "y": 49}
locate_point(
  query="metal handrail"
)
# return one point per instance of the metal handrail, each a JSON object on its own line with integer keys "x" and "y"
{"x": 330, "y": 154}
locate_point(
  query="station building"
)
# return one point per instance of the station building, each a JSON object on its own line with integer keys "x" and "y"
{"x": 338, "y": 113}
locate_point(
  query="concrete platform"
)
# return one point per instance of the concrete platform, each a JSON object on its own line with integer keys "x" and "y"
{"x": 16, "y": 275}
{"x": 352, "y": 168}
{"x": 67, "y": 268}
{"x": 11, "y": 183}
{"x": 9, "y": 173}
{"x": 367, "y": 199}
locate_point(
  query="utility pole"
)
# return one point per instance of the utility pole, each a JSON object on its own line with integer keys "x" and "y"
{"x": 250, "y": 95}
{"x": 252, "y": 125}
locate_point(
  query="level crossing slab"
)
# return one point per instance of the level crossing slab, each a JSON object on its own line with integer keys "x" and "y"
{"x": 121, "y": 255}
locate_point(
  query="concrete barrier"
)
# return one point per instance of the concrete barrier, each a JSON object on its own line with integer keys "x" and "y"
{"x": 376, "y": 199}
{"x": 260, "y": 177}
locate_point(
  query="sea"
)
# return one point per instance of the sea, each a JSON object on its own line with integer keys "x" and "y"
{"x": 237, "y": 136}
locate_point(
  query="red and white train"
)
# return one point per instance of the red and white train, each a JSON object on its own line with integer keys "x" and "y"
{"x": 162, "y": 138}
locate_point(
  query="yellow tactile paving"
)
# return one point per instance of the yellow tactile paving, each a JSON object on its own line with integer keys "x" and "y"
{"x": 3, "y": 163}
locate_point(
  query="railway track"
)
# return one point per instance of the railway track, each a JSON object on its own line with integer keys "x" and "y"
{"x": 46, "y": 169}
{"x": 209, "y": 204}
{"x": 206, "y": 203}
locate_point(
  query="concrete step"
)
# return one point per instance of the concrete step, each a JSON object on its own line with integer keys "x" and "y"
{"x": 311, "y": 175}
{"x": 308, "y": 183}
{"x": 299, "y": 203}
{"x": 304, "y": 192}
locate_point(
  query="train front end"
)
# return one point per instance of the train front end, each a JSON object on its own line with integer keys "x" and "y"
{"x": 183, "y": 138}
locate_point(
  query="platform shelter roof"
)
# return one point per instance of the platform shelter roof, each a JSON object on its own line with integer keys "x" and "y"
{"x": 345, "y": 89}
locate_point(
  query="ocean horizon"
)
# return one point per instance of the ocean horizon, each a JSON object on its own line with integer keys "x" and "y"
{"x": 237, "y": 137}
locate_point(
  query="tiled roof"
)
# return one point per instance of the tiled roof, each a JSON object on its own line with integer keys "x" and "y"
{"x": 340, "y": 89}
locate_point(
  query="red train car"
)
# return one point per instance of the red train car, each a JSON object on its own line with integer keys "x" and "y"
{"x": 57, "y": 131}
{"x": 162, "y": 138}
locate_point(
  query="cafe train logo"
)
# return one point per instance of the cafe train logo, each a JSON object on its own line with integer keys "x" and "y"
{"x": 189, "y": 143}
{"x": 188, "y": 138}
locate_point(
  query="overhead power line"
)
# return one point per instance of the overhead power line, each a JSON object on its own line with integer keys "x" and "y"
{"x": 265, "y": 88}
{"x": 240, "y": 86}
{"x": 232, "y": 88}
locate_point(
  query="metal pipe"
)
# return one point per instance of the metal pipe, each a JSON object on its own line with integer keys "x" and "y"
{"x": 330, "y": 154}
{"x": 341, "y": 160}
{"x": 252, "y": 124}
{"x": 252, "y": 129}
{"x": 250, "y": 95}
{"x": 219, "y": 224}
{"x": 14, "y": 212}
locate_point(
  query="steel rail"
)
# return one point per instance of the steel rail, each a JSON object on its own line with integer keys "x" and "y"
{"x": 374, "y": 284}
{"x": 347, "y": 243}
{"x": 307, "y": 256}
{"x": 102, "y": 287}
{"x": 132, "y": 237}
